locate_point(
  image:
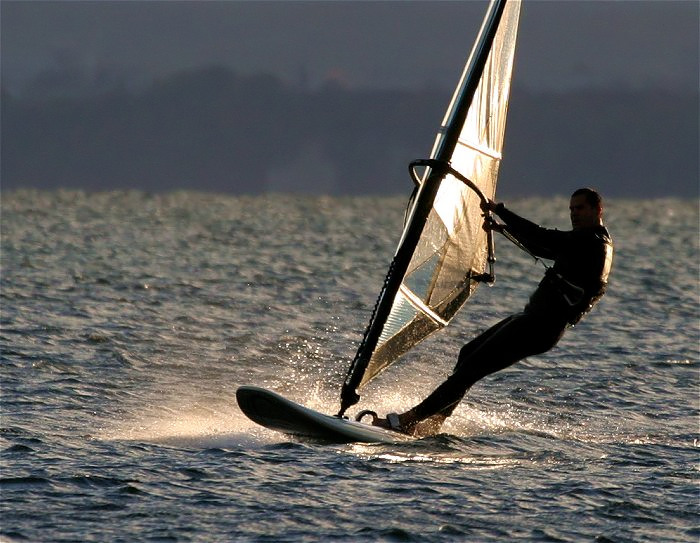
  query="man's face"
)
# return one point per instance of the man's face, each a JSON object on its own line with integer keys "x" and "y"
{"x": 583, "y": 214}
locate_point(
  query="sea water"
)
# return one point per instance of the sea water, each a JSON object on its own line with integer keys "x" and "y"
{"x": 129, "y": 319}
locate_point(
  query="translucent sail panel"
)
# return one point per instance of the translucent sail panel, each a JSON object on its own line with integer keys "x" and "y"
{"x": 477, "y": 154}
{"x": 452, "y": 249}
{"x": 438, "y": 280}
{"x": 484, "y": 126}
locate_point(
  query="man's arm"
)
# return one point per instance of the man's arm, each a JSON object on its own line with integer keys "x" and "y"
{"x": 541, "y": 242}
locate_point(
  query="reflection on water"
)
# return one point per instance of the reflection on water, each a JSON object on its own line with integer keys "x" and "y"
{"x": 129, "y": 320}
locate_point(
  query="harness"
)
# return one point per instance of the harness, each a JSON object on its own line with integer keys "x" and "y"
{"x": 570, "y": 292}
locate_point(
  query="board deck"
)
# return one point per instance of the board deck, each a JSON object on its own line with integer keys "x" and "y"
{"x": 276, "y": 412}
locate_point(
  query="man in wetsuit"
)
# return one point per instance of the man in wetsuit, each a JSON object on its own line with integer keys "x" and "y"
{"x": 577, "y": 280}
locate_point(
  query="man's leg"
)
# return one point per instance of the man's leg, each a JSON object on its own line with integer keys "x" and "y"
{"x": 509, "y": 341}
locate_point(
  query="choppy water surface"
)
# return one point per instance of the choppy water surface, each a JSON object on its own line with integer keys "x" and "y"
{"x": 128, "y": 321}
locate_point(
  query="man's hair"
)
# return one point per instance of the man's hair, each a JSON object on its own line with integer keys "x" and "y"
{"x": 593, "y": 198}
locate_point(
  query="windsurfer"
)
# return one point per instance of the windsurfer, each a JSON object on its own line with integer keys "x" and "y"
{"x": 577, "y": 280}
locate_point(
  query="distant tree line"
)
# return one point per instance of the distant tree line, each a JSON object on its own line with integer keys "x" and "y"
{"x": 211, "y": 129}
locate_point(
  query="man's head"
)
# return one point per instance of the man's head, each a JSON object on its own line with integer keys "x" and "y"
{"x": 586, "y": 209}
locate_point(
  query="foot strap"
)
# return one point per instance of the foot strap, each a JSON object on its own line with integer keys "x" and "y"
{"x": 364, "y": 413}
{"x": 392, "y": 420}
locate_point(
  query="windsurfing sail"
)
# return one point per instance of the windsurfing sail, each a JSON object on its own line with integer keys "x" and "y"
{"x": 445, "y": 249}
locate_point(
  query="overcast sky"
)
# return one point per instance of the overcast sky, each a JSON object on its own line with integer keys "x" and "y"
{"x": 562, "y": 44}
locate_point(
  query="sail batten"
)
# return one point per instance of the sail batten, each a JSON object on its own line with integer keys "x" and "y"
{"x": 496, "y": 155}
{"x": 444, "y": 249}
{"x": 421, "y": 306}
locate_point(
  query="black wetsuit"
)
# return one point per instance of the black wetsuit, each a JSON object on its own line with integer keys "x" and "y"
{"x": 570, "y": 288}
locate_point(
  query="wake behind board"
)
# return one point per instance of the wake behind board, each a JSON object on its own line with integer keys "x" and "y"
{"x": 275, "y": 412}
